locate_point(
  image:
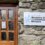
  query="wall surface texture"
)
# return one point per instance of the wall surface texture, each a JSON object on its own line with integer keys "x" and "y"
{"x": 30, "y": 35}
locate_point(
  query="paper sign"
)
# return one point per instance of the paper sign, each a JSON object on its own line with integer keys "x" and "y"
{"x": 34, "y": 18}
{"x": 3, "y": 25}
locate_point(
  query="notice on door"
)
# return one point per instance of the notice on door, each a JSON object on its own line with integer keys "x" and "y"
{"x": 3, "y": 25}
{"x": 34, "y": 18}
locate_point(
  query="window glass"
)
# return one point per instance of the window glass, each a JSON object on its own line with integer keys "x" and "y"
{"x": 3, "y": 14}
{"x": 10, "y": 25}
{"x": 11, "y": 36}
{"x": 11, "y": 14}
{"x": 3, "y": 35}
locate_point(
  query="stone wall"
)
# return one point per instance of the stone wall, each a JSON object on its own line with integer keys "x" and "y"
{"x": 30, "y": 35}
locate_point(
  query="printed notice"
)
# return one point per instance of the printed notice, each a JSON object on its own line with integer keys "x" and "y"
{"x": 3, "y": 24}
{"x": 34, "y": 18}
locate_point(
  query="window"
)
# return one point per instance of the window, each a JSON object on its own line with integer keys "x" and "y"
{"x": 3, "y": 35}
{"x": 10, "y": 25}
{"x": 11, "y": 36}
{"x": 11, "y": 14}
{"x": 3, "y": 14}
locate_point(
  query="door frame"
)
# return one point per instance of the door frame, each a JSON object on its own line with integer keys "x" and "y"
{"x": 16, "y": 20}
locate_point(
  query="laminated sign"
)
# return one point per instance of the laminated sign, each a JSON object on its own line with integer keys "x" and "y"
{"x": 34, "y": 18}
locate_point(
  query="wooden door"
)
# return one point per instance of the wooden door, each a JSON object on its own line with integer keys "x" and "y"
{"x": 8, "y": 26}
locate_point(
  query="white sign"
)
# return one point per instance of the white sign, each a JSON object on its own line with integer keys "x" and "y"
{"x": 34, "y": 18}
{"x": 3, "y": 24}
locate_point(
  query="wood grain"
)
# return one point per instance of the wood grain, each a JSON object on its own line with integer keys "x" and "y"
{"x": 15, "y": 31}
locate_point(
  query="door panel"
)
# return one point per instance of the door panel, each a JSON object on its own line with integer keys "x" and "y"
{"x": 8, "y": 26}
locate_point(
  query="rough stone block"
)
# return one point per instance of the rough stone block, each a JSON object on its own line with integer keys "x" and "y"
{"x": 29, "y": 40}
{"x": 29, "y": 31}
{"x": 24, "y": 5}
{"x": 43, "y": 0}
{"x": 38, "y": 32}
{"x": 26, "y": 0}
{"x": 33, "y": 30}
{"x": 43, "y": 40}
{"x": 42, "y": 5}
{"x": 20, "y": 27}
{"x": 21, "y": 0}
{"x": 38, "y": 28}
{"x": 36, "y": 0}
{"x": 29, "y": 0}
{"x": 34, "y": 6}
